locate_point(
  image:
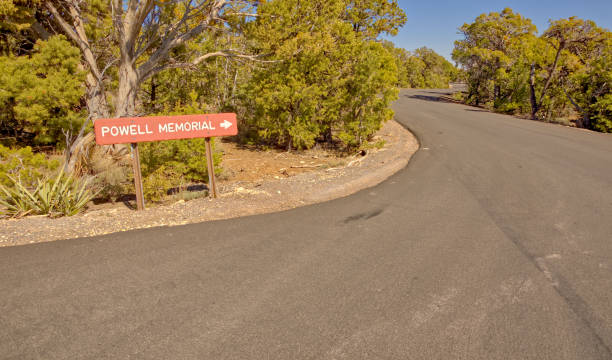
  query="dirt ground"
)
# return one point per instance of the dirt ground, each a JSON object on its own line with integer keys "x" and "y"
{"x": 254, "y": 165}
{"x": 253, "y": 182}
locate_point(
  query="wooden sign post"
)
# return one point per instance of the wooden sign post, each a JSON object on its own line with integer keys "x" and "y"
{"x": 157, "y": 128}
{"x": 137, "y": 177}
{"x": 211, "y": 169}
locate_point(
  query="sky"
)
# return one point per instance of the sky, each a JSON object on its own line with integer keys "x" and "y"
{"x": 434, "y": 23}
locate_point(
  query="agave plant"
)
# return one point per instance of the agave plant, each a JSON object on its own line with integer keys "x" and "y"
{"x": 17, "y": 200}
{"x": 64, "y": 195}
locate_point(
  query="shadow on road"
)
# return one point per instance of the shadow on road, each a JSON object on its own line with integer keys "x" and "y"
{"x": 435, "y": 98}
{"x": 425, "y": 97}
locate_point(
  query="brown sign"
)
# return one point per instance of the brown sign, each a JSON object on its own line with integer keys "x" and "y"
{"x": 156, "y": 128}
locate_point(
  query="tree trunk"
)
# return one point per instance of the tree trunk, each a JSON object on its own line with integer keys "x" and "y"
{"x": 496, "y": 94}
{"x": 551, "y": 74}
{"x": 359, "y": 139}
{"x": 290, "y": 139}
{"x": 153, "y": 91}
{"x": 97, "y": 107}
{"x": 234, "y": 86}
{"x": 128, "y": 88}
{"x": 329, "y": 136}
{"x": 534, "y": 102}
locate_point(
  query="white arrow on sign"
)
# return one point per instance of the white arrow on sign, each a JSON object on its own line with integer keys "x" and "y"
{"x": 226, "y": 124}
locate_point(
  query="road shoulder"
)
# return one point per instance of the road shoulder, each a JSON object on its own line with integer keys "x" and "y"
{"x": 236, "y": 200}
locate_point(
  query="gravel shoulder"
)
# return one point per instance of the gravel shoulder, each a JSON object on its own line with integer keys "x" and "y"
{"x": 237, "y": 198}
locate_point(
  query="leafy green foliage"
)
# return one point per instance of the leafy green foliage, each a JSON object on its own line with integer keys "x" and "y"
{"x": 585, "y": 77}
{"x": 374, "y": 17}
{"x": 40, "y": 95}
{"x": 16, "y": 18}
{"x": 595, "y": 91}
{"x": 436, "y": 71}
{"x": 330, "y": 83}
{"x": 23, "y": 164}
{"x": 563, "y": 73}
{"x": 64, "y": 195}
{"x": 369, "y": 94}
{"x": 423, "y": 68}
{"x": 494, "y": 52}
{"x": 602, "y": 110}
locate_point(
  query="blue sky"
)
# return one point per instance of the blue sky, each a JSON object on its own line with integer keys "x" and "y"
{"x": 434, "y": 23}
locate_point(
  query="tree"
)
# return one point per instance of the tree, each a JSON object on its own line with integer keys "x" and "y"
{"x": 19, "y": 26}
{"x": 437, "y": 72}
{"x": 40, "y": 94}
{"x": 492, "y": 52}
{"x": 512, "y": 70}
{"x": 369, "y": 94}
{"x": 401, "y": 57}
{"x": 374, "y": 17}
{"x": 572, "y": 37}
{"x": 422, "y": 68}
{"x": 330, "y": 83}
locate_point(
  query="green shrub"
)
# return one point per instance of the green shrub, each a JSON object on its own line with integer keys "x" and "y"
{"x": 156, "y": 184}
{"x": 459, "y": 96}
{"x": 24, "y": 165}
{"x": 41, "y": 94}
{"x": 602, "y": 110}
{"x": 337, "y": 86}
{"x": 64, "y": 195}
{"x": 169, "y": 164}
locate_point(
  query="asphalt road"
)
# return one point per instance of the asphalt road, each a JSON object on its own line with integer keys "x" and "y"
{"x": 494, "y": 243}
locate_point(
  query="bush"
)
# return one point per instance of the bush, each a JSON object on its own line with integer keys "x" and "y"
{"x": 113, "y": 177}
{"x": 169, "y": 164}
{"x": 41, "y": 94}
{"x": 65, "y": 195}
{"x": 156, "y": 184}
{"x": 341, "y": 90}
{"x": 24, "y": 165}
{"x": 602, "y": 110}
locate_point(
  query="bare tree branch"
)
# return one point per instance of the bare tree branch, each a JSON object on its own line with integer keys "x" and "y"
{"x": 76, "y": 32}
{"x": 231, "y": 54}
{"x": 244, "y": 14}
{"x": 68, "y": 30}
{"x": 222, "y": 53}
{"x": 174, "y": 38}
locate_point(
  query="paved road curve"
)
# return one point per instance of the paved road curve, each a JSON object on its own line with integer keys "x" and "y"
{"x": 494, "y": 243}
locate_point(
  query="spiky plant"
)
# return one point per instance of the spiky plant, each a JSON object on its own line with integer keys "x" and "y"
{"x": 64, "y": 195}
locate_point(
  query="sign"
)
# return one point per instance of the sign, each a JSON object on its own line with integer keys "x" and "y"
{"x": 133, "y": 130}
{"x": 156, "y": 128}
